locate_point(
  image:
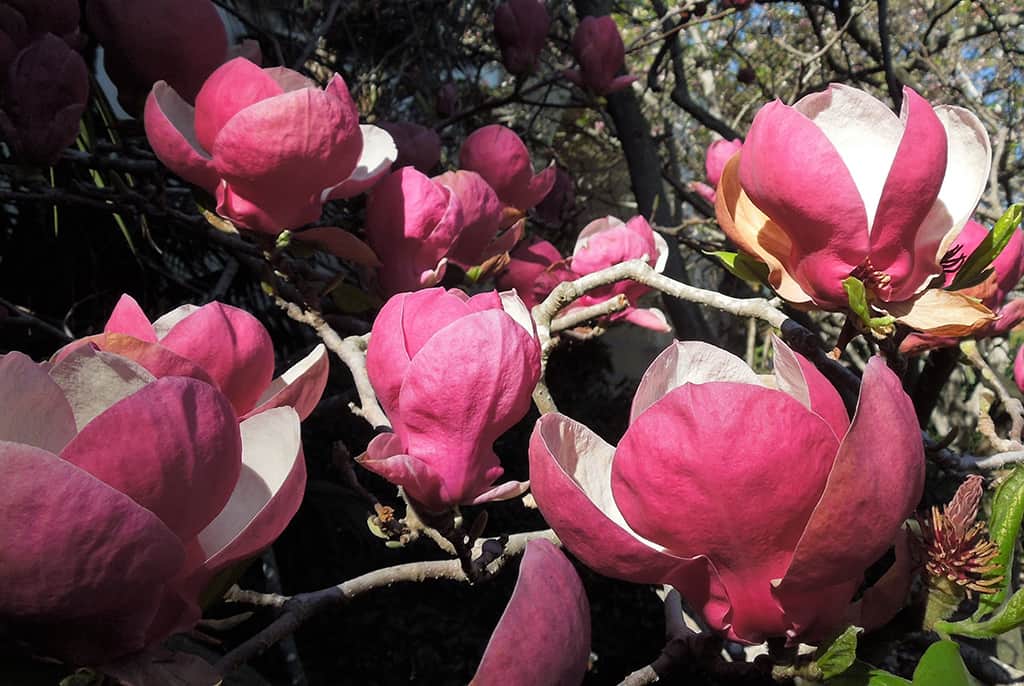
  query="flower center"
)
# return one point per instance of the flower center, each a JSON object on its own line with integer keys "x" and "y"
{"x": 874, "y": 280}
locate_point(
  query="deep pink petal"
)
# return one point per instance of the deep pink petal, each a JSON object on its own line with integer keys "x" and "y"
{"x": 156, "y": 359}
{"x": 417, "y": 145}
{"x": 387, "y": 357}
{"x": 547, "y": 620}
{"x": 857, "y": 519}
{"x": 690, "y": 443}
{"x": 258, "y": 216}
{"x": 173, "y": 439}
{"x": 497, "y": 154}
{"x": 170, "y": 128}
{"x": 481, "y": 216}
{"x": 645, "y": 317}
{"x": 284, "y": 151}
{"x": 230, "y": 89}
{"x": 888, "y": 595}
{"x": 69, "y": 539}
{"x": 34, "y": 409}
{"x": 128, "y": 318}
{"x": 910, "y": 190}
{"x": 232, "y": 346}
{"x": 687, "y": 362}
{"x": 300, "y": 387}
{"x": 598, "y": 48}
{"x": 521, "y": 29}
{"x": 384, "y": 456}
{"x": 795, "y": 375}
{"x": 829, "y": 231}
{"x": 717, "y": 155}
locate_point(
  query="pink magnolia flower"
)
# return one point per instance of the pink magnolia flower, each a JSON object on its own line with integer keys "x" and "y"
{"x": 1007, "y": 270}
{"x": 452, "y": 373}
{"x": 785, "y": 551}
{"x": 718, "y": 154}
{"x": 535, "y": 267}
{"x": 600, "y": 53}
{"x": 180, "y": 42}
{"x": 269, "y": 143}
{"x": 497, "y": 154}
{"x": 417, "y": 145}
{"x": 43, "y": 97}
{"x": 607, "y": 242}
{"x": 898, "y": 190}
{"x": 412, "y": 223}
{"x": 124, "y": 495}
{"x": 521, "y": 27}
{"x": 482, "y": 217}
{"x": 547, "y": 619}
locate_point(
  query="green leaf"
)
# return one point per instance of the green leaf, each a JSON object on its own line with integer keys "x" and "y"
{"x": 1008, "y": 618}
{"x": 857, "y": 295}
{"x": 989, "y": 248}
{"x": 839, "y": 655}
{"x": 863, "y": 674}
{"x": 742, "y": 265}
{"x": 1003, "y": 529}
{"x": 941, "y": 666}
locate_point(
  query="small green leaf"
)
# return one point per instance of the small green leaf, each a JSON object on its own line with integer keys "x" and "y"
{"x": 863, "y": 674}
{"x": 989, "y": 248}
{"x": 941, "y": 665}
{"x": 742, "y": 265}
{"x": 857, "y": 295}
{"x": 839, "y": 655}
{"x": 1003, "y": 529}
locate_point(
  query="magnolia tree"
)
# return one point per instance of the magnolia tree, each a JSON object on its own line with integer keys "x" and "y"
{"x": 700, "y": 316}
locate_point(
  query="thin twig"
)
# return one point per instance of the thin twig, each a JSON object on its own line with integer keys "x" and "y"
{"x": 299, "y": 608}
{"x": 1011, "y": 404}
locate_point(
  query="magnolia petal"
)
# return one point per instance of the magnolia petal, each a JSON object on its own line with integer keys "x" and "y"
{"x": 340, "y": 243}
{"x": 685, "y": 362}
{"x": 755, "y": 233}
{"x": 231, "y": 88}
{"x": 888, "y": 595}
{"x": 251, "y": 214}
{"x": 300, "y": 387}
{"x": 516, "y": 308}
{"x": 1010, "y": 315}
{"x": 387, "y": 355}
{"x": 267, "y": 495}
{"x": 796, "y": 375}
{"x": 547, "y": 619}
{"x": 503, "y": 491}
{"x": 33, "y": 409}
{"x": 379, "y": 153}
{"x": 882, "y": 441}
{"x": 969, "y": 160}
{"x": 170, "y": 128}
{"x": 71, "y": 537}
{"x": 384, "y": 456}
{"x": 93, "y": 380}
{"x": 175, "y": 437}
{"x": 156, "y": 359}
{"x": 661, "y": 247}
{"x": 677, "y": 444}
{"x": 898, "y": 247}
{"x": 864, "y": 132}
{"x": 128, "y": 318}
{"x": 231, "y": 345}
{"x": 942, "y": 313}
{"x": 619, "y": 83}
{"x": 648, "y": 318}
{"x": 828, "y": 231}
{"x": 165, "y": 322}
{"x": 570, "y": 470}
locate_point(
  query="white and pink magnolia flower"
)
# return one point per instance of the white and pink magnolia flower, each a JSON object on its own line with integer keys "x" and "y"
{"x": 139, "y": 464}
{"x": 547, "y": 619}
{"x": 784, "y": 553}
{"x": 268, "y": 143}
{"x": 452, "y": 373}
{"x": 609, "y": 241}
{"x": 838, "y": 186}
